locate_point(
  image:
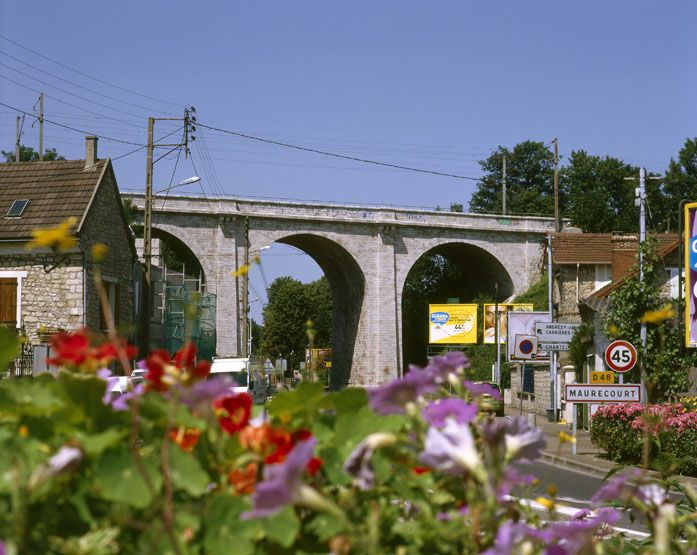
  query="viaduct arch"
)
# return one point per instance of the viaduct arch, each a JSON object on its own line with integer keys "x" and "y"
{"x": 366, "y": 254}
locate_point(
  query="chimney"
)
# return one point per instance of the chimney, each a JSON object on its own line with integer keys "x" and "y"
{"x": 90, "y": 151}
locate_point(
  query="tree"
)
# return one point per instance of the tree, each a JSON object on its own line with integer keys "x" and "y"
{"x": 28, "y": 154}
{"x": 456, "y": 207}
{"x": 529, "y": 181}
{"x": 681, "y": 180}
{"x": 666, "y": 364}
{"x": 319, "y": 297}
{"x": 599, "y": 198}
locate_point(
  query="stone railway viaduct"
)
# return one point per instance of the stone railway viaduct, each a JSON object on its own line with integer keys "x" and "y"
{"x": 366, "y": 254}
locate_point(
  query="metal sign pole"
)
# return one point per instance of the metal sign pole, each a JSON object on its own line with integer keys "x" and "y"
{"x": 573, "y": 429}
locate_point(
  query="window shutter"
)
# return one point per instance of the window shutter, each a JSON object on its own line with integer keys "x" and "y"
{"x": 8, "y": 301}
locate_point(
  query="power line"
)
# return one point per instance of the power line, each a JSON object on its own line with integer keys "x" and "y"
{"x": 333, "y": 154}
{"x": 82, "y": 87}
{"x": 86, "y": 74}
{"x": 106, "y": 138}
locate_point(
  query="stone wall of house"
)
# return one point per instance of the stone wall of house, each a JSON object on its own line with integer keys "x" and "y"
{"x": 104, "y": 224}
{"x": 574, "y": 283}
{"x": 50, "y": 300}
{"x": 538, "y": 401}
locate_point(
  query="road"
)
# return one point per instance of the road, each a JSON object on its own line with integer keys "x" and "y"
{"x": 574, "y": 491}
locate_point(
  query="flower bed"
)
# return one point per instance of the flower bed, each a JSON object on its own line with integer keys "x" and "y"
{"x": 619, "y": 430}
{"x": 178, "y": 465}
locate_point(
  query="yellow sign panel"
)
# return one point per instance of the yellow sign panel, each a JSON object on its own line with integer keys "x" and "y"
{"x": 602, "y": 377}
{"x": 490, "y": 320}
{"x": 452, "y": 323}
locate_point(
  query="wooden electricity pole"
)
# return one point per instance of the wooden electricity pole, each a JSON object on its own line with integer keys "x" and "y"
{"x": 557, "y": 222}
{"x": 503, "y": 171}
{"x": 41, "y": 126}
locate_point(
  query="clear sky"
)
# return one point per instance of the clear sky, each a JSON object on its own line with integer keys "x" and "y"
{"x": 430, "y": 85}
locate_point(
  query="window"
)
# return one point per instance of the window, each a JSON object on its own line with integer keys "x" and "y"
{"x": 111, "y": 287}
{"x": 603, "y": 275}
{"x": 17, "y": 208}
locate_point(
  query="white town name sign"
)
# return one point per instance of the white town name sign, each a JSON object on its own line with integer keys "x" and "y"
{"x": 595, "y": 393}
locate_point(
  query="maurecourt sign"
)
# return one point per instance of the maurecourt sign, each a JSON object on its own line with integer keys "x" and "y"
{"x": 594, "y": 393}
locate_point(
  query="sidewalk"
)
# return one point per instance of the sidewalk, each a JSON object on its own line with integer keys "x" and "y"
{"x": 588, "y": 457}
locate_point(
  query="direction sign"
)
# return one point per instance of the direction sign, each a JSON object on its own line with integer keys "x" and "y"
{"x": 553, "y": 346}
{"x": 602, "y": 377}
{"x": 620, "y": 356}
{"x": 594, "y": 393}
{"x": 554, "y": 332}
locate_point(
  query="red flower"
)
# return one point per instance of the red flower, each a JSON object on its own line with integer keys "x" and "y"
{"x": 156, "y": 363}
{"x": 84, "y": 351}
{"x": 181, "y": 369}
{"x": 418, "y": 470}
{"x": 233, "y": 411}
{"x": 244, "y": 481}
{"x": 186, "y": 438}
{"x": 314, "y": 465}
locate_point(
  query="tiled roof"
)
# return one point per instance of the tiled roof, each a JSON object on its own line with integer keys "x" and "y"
{"x": 56, "y": 190}
{"x": 582, "y": 248}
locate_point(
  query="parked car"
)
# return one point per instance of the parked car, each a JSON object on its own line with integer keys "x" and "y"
{"x": 492, "y": 404}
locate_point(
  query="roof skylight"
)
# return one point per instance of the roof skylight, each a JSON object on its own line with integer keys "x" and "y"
{"x": 17, "y": 208}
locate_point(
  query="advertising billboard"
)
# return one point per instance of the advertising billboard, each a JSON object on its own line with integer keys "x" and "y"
{"x": 452, "y": 323}
{"x": 691, "y": 274}
{"x": 490, "y": 320}
{"x": 522, "y": 325}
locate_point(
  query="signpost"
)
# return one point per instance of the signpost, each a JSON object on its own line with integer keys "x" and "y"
{"x": 554, "y": 332}
{"x": 621, "y": 356}
{"x": 594, "y": 393}
{"x": 602, "y": 377}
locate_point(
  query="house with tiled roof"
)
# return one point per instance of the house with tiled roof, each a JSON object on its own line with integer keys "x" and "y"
{"x": 588, "y": 267}
{"x": 43, "y": 291}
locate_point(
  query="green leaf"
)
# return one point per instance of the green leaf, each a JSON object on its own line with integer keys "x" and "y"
{"x": 303, "y": 400}
{"x": 95, "y": 444}
{"x": 224, "y": 531}
{"x": 187, "y": 473}
{"x": 325, "y": 526}
{"x": 120, "y": 481}
{"x": 282, "y": 528}
{"x": 349, "y": 400}
{"x": 9, "y": 347}
{"x": 352, "y": 428}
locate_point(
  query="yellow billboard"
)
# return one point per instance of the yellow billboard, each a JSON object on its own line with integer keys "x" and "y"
{"x": 452, "y": 323}
{"x": 490, "y": 320}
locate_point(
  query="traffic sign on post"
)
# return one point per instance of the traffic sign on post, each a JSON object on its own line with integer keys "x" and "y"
{"x": 621, "y": 356}
{"x": 555, "y": 332}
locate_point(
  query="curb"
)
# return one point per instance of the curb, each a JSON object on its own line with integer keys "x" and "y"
{"x": 567, "y": 462}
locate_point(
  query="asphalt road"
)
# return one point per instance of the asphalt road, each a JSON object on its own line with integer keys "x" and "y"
{"x": 574, "y": 491}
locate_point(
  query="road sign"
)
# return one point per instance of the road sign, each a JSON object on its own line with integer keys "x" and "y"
{"x": 553, "y": 346}
{"x": 594, "y": 393}
{"x": 554, "y": 332}
{"x": 523, "y": 323}
{"x": 525, "y": 347}
{"x": 620, "y": 356}
{"x": 602, "y": 377}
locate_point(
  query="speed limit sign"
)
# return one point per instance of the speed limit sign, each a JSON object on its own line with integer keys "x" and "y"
{"x": 620, "y": 356}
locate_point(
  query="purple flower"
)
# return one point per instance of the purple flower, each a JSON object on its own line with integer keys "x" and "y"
{"x": 117, "y": 397}
{"x": 452, "y": 450}
{"x": 512, "y": 478}
{"x": 509, "y": 535}
{"x": 394, "y": 396}
{"x": 477, "y": 389}
{"x": 457, "y": 409}
{"x": 616, "y": 488}
{"x": 358, "y": 464}
{"x": 2, "y": 548}
{"x": 201, "y": 394}
{"x": 523, "y": 441}
{"x": 281, "y": 485}
{"x": 442, "y": 367}
{"x": 577, "y": 535}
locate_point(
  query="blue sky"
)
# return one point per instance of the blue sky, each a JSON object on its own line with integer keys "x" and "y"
{"x": 431, "y": 85}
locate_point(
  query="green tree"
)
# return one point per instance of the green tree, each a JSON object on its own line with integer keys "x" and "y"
{"x": 28, "y": 154}
{"x": 681, "y": 180}
{"x": 319, "y": 298}
{"x": 529, "y": 181}
{"x": 600, "y": 199}
{"x": 666, "y": 364}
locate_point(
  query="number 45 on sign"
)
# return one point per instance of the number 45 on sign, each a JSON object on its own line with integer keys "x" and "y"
{"x": 620, "y": 356}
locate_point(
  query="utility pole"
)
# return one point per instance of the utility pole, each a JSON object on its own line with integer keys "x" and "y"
{"x": 552, "y": 417}
{"x": 19, "y": 133}
{"x": 246, "y": 334}
{"x": 150, "y": 162}
{"x": 557, "y": 222}
{"x": 147, "y": 237}
{"x": 497, "y": 331}
{"x": 503, "y": 171}
{"x": 41, "y": 126}
{"x": 642, "y": 239}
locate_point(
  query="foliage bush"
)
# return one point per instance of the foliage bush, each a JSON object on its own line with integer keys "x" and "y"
{"x": 619, "y": 429}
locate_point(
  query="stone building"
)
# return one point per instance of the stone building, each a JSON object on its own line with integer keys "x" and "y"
{"x": 588, "y": 267}
{"x": 42, "y": 291}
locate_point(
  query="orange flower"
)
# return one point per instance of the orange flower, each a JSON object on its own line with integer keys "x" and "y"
{"x": 273, "y": 444}
{"x": 186, "y": 438}
{"x": 244, "y": 481}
